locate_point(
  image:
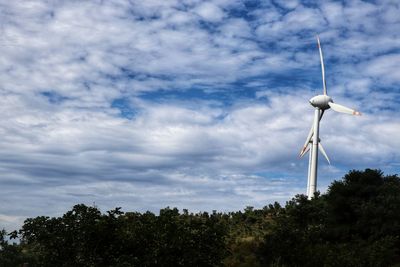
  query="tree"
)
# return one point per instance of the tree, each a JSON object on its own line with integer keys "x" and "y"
{"x": 85, "y": 237}
{"x": 356, "y": 223}
{"x": 10, "y": 254}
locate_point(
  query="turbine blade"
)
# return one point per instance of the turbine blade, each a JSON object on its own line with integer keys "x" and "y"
{"x": 322, "y": 114}
{"x": 303, "y": 152}
{"x": 305, "y": 148}
{"x": 321, "y": 56}
{"x": 321, "y": 148}
{"x": 343, "y": 109}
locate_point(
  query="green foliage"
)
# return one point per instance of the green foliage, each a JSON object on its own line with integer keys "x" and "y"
{"x": 356, "y": 223}
{"x": 85, "y": 237}
{"x": 10, "y": 254}
{"x": 246, "y": 233}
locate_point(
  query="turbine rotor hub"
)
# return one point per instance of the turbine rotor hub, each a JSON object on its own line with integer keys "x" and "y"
{"x": 321, "y": 101}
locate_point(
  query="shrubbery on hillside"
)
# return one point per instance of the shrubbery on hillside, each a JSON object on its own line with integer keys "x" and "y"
{"x": 356, "y": 223}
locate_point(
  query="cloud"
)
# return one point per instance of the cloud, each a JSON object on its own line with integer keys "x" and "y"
{"x": 288, "y": 4}
{"x": 200, "y": 105}
{"x": 209, "y": 12}
{"x": 385, "y": 68}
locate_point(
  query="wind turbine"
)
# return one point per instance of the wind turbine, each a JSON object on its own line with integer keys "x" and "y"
{"x": 313, "y": 143}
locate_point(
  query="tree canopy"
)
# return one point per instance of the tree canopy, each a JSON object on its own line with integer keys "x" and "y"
{"x": 355, "y": 223}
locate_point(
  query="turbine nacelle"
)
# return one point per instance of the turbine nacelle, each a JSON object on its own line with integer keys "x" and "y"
{"x": 321, "y": 101}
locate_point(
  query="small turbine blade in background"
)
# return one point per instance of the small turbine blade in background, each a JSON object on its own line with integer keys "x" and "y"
{"x": 343, "y": 109}
{"x": 321, "y": 148}
{"x": 306, "y": 150}
{"x": 322, "y": 114}
{"x": 322, "y": 66}
{"x": 305, "y": 146}
{"x": 308, "y": 140}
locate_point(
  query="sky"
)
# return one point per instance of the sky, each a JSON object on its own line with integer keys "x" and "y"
{"x": 191, "y": 104}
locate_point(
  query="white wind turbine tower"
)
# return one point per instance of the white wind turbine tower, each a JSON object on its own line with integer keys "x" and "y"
{"x": 313, "y": 143}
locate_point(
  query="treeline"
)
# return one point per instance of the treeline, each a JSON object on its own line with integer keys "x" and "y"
{"x": 356, "y": 223}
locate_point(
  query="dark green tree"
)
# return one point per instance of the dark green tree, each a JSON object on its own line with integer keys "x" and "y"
{"x": 10, "y": 254}
{"x": 85, "y": 237}
{"x": 356, "y": 223}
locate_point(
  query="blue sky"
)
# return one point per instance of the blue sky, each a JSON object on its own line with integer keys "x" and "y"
{"x": 194, "y": 104}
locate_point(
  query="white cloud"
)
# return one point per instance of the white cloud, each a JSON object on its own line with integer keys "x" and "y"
{"x": 290, "y": 4}
{"x": 188, "y": 71}
{"x": 209, "y": 12}
{"x": 385, "y": 68}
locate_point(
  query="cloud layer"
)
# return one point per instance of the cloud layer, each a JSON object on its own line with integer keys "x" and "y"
{"x": 196, "y": 104}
